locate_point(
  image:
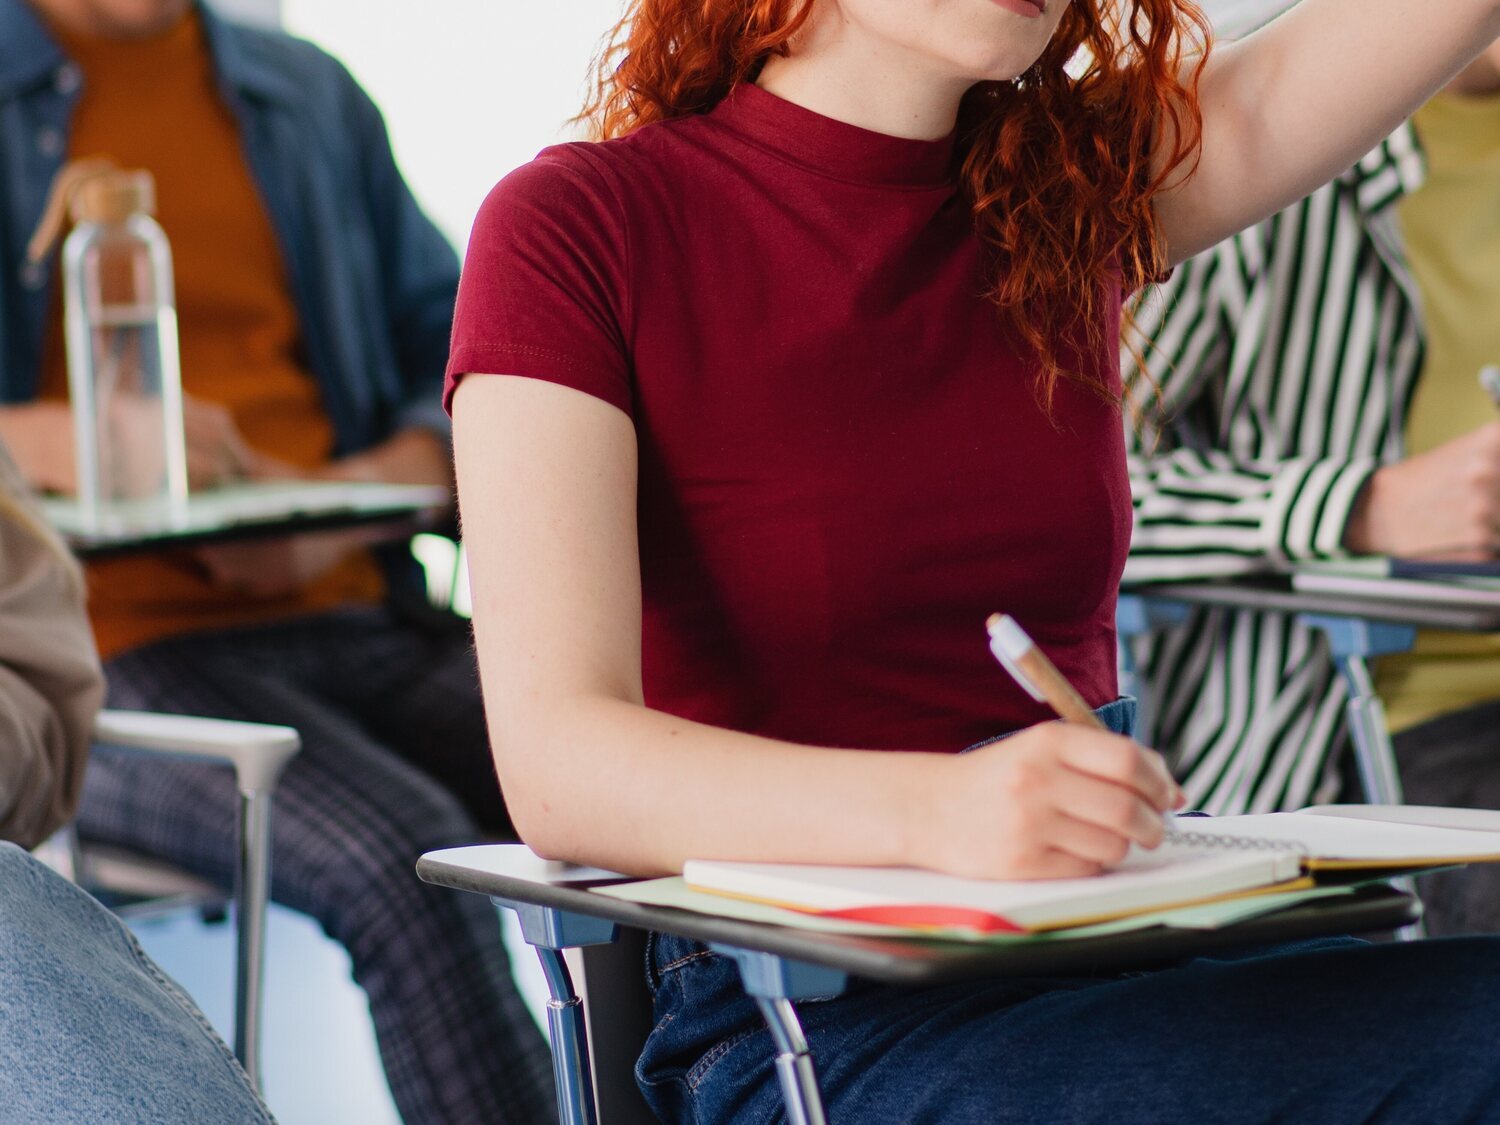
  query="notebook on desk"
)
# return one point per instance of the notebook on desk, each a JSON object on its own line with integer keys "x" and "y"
{"x": 1416, "y": 580}
{"x": 238, "y": 504}
{"x": 1208, "y": 860}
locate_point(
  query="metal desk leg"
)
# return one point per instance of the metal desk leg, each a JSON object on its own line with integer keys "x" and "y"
{"x": 550, "y": 932}
{"x": 252, "y": 888}
{"x": 1135, "y": 616}
{"x": 1353, "y": 642}
{"x": 774, "y": 983}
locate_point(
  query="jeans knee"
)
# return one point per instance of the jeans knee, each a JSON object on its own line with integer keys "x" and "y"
{"x": 37, "y": 905}
{"x": 14, "y": 862}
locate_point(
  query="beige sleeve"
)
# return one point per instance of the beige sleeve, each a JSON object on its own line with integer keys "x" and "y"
{"x": 51, "y": 686}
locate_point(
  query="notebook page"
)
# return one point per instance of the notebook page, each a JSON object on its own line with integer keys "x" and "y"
{"x": 1434, "y": 816}
{"x": 1339, "y": 840}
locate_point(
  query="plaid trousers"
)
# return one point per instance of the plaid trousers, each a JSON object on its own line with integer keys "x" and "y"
{"x": 392, "y": 733}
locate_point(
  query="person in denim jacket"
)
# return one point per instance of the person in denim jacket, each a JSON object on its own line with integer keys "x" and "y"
{"x": 314, "y": 300}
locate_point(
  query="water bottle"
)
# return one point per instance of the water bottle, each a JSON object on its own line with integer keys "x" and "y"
{"x": 124, "y": 372}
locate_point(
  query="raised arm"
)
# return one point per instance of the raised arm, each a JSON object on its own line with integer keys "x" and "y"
{"x": 547, "y": 479}
{"x": 1293, "y": 105}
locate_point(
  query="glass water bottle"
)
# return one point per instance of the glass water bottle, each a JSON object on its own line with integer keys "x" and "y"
{"x": 124, "y": 373}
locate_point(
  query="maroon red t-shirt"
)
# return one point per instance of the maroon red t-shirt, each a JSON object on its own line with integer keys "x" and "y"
{"x": 843, "y": 464}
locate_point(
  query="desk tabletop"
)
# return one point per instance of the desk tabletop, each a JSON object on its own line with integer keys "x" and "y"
{"x": 513, "y": 872}
{"x": 253, "y": 511}
{"x": 1273, "y": 593}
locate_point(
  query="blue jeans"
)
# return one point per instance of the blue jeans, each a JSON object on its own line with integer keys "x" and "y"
{"x": 1118, "y": 717}
{"x": 90, "y": 1029}
{"x": 1325, "y": 1032}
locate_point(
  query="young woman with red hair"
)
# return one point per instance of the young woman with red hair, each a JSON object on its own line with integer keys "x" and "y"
{"x": 765, "y": 400}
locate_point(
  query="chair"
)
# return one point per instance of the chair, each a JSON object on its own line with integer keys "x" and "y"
{"x": 617, "y": 1018}
{"x": 257, "y": 753}
{"x": 1354, "y": 639}
{"x": 779, "y": 965}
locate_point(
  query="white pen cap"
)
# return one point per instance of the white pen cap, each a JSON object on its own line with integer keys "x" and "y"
{"x": 1009, "y": 643}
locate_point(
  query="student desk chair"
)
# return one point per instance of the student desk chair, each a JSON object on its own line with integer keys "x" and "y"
{"x": 779, "y": 965}
{"x": 259, "y": 510}
{"x": 257, "y": 753}
{"x": 1359, "y": 628}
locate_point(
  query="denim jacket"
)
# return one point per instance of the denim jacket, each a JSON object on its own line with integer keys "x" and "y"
{"x": 373, "y": 280}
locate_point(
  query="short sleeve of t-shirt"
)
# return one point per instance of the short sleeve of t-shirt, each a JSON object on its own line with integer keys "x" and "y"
{"x": 543, "y": 288}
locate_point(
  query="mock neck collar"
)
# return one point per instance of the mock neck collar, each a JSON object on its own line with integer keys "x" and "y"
{"x": 835, "y": 148}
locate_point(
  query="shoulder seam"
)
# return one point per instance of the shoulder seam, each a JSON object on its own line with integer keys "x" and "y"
{"x": 599, "y": 170}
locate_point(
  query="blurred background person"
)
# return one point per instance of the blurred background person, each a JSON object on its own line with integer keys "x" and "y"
{"x": 1319, "y": 398}
{"x": 314, "y": 300}
{"x": 90, "y": 1029}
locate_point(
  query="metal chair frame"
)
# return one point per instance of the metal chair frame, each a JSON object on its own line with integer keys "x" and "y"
{"x": 257, "y": 752}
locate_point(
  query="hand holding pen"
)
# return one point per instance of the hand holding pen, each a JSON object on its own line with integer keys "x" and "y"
{"x": 1124, "y": 777}
{"x": 1054, "y": 800}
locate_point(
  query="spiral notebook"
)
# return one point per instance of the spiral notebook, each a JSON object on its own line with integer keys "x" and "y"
{"x": 1205, "y": 860}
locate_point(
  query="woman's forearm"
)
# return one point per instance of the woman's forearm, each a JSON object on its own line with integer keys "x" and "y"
{"x": 548, "y": 481}
{"x": 612, "y": 783}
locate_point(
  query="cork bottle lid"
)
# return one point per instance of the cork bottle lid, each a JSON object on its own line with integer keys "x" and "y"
{"x": 112, "y": 197}
{"x": 91, "y": 191}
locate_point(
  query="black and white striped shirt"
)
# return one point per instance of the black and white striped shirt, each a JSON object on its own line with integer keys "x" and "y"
{"x": 1286, "y": 358}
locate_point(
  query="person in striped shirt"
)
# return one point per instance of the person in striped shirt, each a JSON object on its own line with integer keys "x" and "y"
{"x": 1315, "y": 395}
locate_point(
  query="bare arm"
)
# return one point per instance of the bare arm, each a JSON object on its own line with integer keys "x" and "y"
{"x": 547, "y": 479}
{"x": 1295, "y": 104}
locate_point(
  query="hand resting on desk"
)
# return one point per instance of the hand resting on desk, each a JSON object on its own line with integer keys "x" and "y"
{"x": 273, "y": 568}
{"x": 1445, "y": 501}
{"x": 277, "y": 567}
{"x": 40, "y": 438}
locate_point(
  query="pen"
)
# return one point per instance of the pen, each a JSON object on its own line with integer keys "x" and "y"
{"x": 1489, "y": 379}
{"x": 1029, "y": 667}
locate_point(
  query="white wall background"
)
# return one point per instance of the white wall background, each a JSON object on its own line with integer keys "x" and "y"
{"x": 473, "y": 88}
{"x": 470, "y": 88}
{"x": 1233, "y": 18}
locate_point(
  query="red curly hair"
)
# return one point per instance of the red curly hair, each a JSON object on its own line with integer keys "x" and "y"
{"x": 1058, "y": 166}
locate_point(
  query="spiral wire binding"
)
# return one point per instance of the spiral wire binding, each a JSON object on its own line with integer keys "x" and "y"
{"x": 1235, "y": 843}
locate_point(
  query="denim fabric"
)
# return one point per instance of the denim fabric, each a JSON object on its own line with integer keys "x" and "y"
{"x": 1117, "y": 717}
{"x": 390, "y": 720}
{"x": 374, "y": 281}
{"x": 90, "y": 1029}
{"x": 1324, "y": 1032}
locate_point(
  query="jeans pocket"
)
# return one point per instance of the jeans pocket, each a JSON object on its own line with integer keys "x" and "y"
{"x": 700, "y": 1070}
